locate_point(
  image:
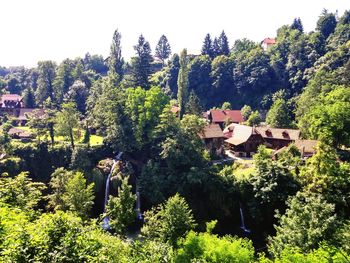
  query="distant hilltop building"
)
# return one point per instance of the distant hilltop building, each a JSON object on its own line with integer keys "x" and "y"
{"x": 267, "y": 43}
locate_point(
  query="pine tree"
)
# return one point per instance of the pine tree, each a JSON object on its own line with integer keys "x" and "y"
{"x": 141, "y": 65}
{"x": 28, "y": 98}
{"x": 182, "y": 82}
{"x": 216, "y": 48}
{"x": 47, "y": 73}
{"x": 297, "y": 24}
{"x": 116, "y": 61}
{"x": 193, "y": 105}
{"x": 163, "y": 49}
{"x": 207, "y": 48}
{"x": 223, "y": 43}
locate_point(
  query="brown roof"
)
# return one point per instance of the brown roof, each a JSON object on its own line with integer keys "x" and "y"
{"x": 212, "y": 131}
{"x": 281, "y": 134}
{"x": 23, "y": 112}
{"x": 15, "y": 131}
{"x": 226, "y": 115}
{"x": 306, "y": 146}
{"x": 239, "y": 133}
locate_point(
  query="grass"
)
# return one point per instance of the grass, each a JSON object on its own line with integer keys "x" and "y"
{"x": 94, "y": 139}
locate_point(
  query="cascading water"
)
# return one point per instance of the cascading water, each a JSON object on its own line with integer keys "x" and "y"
{"x": 138, "y": 204}
{"x": 105, "y": 221}
{"x": 246, "y": 230}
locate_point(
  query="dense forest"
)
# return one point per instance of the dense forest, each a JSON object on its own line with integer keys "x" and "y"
{"x": 112, "y": 174}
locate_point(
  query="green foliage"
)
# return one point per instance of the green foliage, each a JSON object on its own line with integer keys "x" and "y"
{"x": 226, "y": 106}
{"x": 67, "y": 120}
{"x": 70, "y": 192}
{"x": 207, "y": 48}
{"x": 308, "y": 221}
{"x": 141, "y": 65}
{"x": 206, "y": 247}
{"x": 182, "y": 83}
{"x": 326, "y": 23}
{"x": 121, "y": 209}
{"x": 169, "y": 221}
{"x": 254, "y": 119}
{"x": 246, "y": 111}
{"x": 163, "y": 49}
{"x": 279, "y": 115}
{"x": 116, "y": 61}
{"x": 329, "y": 120}
{"x": 64, "y": 79}
{"x": 193, "y": 105}
{"x": 47, "y": 73}
{"x": 20, "y": 191}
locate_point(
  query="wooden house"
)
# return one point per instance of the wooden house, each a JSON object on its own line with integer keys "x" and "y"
{"x": 278, "y": 138}
{"x": 223, "y": 117}
{"x": 213, "y": 138}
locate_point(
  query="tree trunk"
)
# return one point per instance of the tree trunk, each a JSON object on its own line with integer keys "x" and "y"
{"x": 52, "y": 134}
{"x": 71, "y": 137}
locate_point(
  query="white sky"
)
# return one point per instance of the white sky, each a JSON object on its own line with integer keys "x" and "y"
{"x": 33, "y": 30}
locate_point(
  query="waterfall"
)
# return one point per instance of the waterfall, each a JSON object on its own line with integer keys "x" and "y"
{"x": 138, "y": 204}
{"x": 243, "y": 227}
{"x": 105, "y": 221}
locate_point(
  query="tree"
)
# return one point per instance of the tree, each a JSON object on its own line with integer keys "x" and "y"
{"x": 329, "y": 120}
{"x": 254, "y": 119}
{"x": 20, "y": 191}
{"x": 279, "y": 116}
{"x": 29, "y": 98}
{"x": 141, "y": 65}
{"x": 199, "y": 79}
{"x": 223, "y": 44}
{"x": 116, "y": 61}
{"x": 78, "y": 94}
{"x": 297, "y": 24}
{"x": 243, "y": 45}
{"x": 67, "y": 121}
{"x": 182, "y": 83}
{"x": 47, "y": 74}
{"x": 193, "y": 105}
{"x": 207, "y": 48}
{"x": 121, "y": 209}
{"x": 173, "y": 74}
{"x": 64, "y": 79}
{"x": 246, "y": 111}
{"x": 58, "y": 186}
{"x": 163, "y": 49}
{"x": 326, "y": 23}
{"x": 308, "y": 221}
{"x": 226, "y": 106}
{"x": 78, "y": 197}
{"x": 207, "y": 247}
{"x": 216, "y": 48}
{"x": 169, "y": 221}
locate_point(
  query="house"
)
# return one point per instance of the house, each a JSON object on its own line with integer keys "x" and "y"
{"x": 267, "y": 43}
{"x": 307, "y": 148}
{"x": 213, "y": 138}
{"x": 224, "y": 117}
{"x": 25, "y": 113}
{"x": 278, "y": 138}
{"x": 16, "y": 133}
{"x": 10, "y": 103}
{"x": 243, "y": 140}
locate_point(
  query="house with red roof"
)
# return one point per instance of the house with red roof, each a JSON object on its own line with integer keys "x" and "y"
{"x": 10, "y": 103}
{"x": 224, "y": 117}
{"x": 267, "y": 43}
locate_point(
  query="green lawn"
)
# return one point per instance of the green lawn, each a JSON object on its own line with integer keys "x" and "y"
{"x": 94, "y": 139}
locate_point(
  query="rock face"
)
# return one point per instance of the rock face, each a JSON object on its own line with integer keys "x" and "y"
{"x": 105, "y": 165}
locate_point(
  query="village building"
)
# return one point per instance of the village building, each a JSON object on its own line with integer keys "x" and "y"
{"x": 307, "y": 148}
{"x": 10, "y": 104}
{"x": 213, "y": 138}
{"x": 17, "y": 133}
{"x": 224, "y": 117}
{"x": 267, "y": 43}
{"x": 278, "y": 138}
{"x": 242, "y": 140}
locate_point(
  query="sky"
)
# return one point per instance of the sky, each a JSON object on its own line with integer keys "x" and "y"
{"x": 34, "y": 30}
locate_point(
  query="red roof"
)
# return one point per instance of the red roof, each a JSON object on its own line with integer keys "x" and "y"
{"x": 269, "y": 41}
{"x": 226, "y": 115}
